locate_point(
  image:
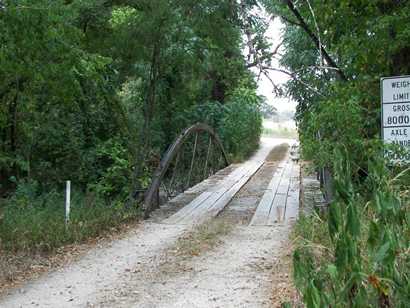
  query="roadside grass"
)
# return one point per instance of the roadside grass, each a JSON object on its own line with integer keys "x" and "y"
{"x": 203, "y": 238}
{"x": 355, "y": 253}
{"x": 280, "y": 132}
{"x": 37, "y": 224}
{"x": 311, "y": 229}
{"x": 311, "y": 233}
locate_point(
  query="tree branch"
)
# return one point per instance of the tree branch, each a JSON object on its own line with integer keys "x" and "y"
{"x": 314, "y": 38}
{"x": 259, "y": 61}
{"x": 290, "y": 21}
{"x": 294, "y": 77}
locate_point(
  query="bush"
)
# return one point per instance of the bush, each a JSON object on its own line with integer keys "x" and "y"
{"x": 331, "y": 123}
{"x": 238, "y": 122}
{"x": 241, "y": 125}
{"x": 210, "y": 113}
{"x": 113, "y": 162}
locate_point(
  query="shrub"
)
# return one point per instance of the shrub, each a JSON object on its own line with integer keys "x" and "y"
{"x": 238, "y": 122}
{"x": 242, "y": 124}
{"x": 113, "y": 162}
{"x": 363, "y": 258}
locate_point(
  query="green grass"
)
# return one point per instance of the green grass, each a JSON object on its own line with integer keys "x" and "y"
{"x": 280, "y": 132}
{"x": 311, "y": 232}
{"x": 37, "y": 224}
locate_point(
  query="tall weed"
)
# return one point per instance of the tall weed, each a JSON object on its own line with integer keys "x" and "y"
{"x": 367, "y": 260}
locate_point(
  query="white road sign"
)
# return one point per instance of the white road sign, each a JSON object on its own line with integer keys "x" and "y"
{"x": 396, "y": 110}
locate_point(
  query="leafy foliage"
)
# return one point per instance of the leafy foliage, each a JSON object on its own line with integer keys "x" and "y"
{"x": 241, "y": 124}
{"x": 336, "y": 52}
{"x": 95, "y": 92}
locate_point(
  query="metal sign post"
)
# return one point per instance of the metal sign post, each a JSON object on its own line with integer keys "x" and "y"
{"x": 395, "y": 97}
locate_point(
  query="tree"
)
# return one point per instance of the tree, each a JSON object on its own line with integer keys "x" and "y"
{"x": 82, "y": 78}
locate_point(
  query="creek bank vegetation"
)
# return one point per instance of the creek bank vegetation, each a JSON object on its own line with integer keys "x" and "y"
{"x": 356, "y": 254}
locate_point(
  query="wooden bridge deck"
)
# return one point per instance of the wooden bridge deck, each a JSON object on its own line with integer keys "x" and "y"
{"x": 281, "y": 199}
{"x": 210, "y": 203}
{"x": 279, "y": 203}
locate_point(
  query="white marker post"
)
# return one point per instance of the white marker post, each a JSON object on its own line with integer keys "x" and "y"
{"x": 67, "y": 202}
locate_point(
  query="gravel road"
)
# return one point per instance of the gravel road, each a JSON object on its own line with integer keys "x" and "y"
{"x": 143, "y": 270}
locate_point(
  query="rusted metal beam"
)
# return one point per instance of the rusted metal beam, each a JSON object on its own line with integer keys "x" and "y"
{"x": 192, "y": 160}
{"x": 207, "y": 156}
{"x": 172, "y": 151}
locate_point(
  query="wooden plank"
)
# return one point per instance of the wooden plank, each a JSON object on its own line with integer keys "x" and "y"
{"x": 206, "y": 206}
{"x": 277, "y": 211}
{"x": 188, "y": 208}
{"x": 277, "y": 176}
{"x": 195, "y": 216}
{"x": 276, "y": 215}
{"x": 285, "y": 180}
{"x": 262, "y": 212}
{"x": 191, "y": 210}
{"x": 292, "y": 204}
{"x": 220, "y": 196}
{"x": 220, "y": 204}
{"x": 292, "y": 209}
{"x": 281, "y": 204}
{"x": 264, "y": 207}
{"x": 213, "y": 209}
{"x": 195, "y": 204}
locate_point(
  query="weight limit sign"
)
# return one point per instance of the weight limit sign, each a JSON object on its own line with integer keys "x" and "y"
{"x": 395, "y": 93}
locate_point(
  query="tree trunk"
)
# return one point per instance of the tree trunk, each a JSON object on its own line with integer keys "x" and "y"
{"x": 218, "y": 88}
{"x": 148, "y": 111}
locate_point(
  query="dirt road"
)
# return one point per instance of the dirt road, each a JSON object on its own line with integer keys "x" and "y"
{"x": 221, "y": 262}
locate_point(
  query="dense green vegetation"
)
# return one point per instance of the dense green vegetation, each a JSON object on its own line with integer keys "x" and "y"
{"x": 95, "y": 91}
{"x": 356, "y": 254}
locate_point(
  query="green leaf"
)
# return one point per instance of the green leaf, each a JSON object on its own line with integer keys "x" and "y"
{"x": 312, "y": 296}
{"x": 335, "y": 220}
{"x": 332, "y": 271}
{"x": 353, "y": 221}
{"x": 374, "y": 233}
{"x": 382, "y": 253}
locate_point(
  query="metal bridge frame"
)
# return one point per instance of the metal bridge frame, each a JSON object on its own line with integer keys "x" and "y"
{"x": 151, "y": 200}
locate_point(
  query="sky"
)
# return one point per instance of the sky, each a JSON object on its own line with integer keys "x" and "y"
{"x": 265, "y": 86}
